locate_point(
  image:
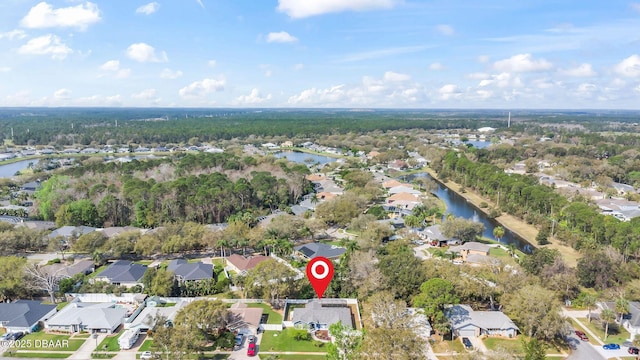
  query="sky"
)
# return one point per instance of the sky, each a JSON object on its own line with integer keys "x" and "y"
{"x": 503, "y": 54}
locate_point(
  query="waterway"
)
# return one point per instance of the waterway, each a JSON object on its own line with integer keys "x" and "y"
{"x": 304, "y": 158}
{"x": 9, "y": 170}
{"x": 458, "y": 206}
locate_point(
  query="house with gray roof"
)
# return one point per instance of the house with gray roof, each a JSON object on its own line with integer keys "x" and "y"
{"x": 24, "y": 315}
{"x": 631, "y": 320}
{"x": 318, "y": 316}
{"x": 68, "y": 232}
{"x": 66, "y": 271}
{"x": 91, "y": 317}
{"x": 123, "y": 272}
{"x": 470, "y": 248}
{"x": 465, "y": 322}
{"x": 312, "y": 250}
{"x": 186, "y": 271}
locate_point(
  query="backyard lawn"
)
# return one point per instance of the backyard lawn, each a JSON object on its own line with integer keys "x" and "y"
{"x": 274, "y": 317}
{"x": 284, "y": 341}
{"x": 615, "y": 336}
{"x": 50, "y": 342}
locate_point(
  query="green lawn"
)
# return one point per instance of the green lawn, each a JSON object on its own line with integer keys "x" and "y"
{"x": 284, "y": 341}
{"x": 61, "y": 305}
{"x": 98, "y": 271}
{"x": 502, "y": 255}
{"x": 146, "y": 345}
{"x": 513, "y": 346}
{"x": 218, "y": 261}
{"x": 110, "y": 343}
{"x": 36, "y": 355}
{"x": 274, "y": 317}
{"x": 300, "y": 357}
{"x": 144, "y": 262}
{"x": 50, "y": 342}
{"x": 445, "y": 346}
{"x": 613, "y": 337}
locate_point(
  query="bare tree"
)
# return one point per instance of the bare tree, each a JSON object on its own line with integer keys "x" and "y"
{"x": 40, "y": 279}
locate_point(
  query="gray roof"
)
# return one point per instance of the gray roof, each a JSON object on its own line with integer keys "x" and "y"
{"x": 23, "y": 313}
{"x": 471, "y": 245}
{"x": 312, "y": 250}
{"x": 314, "y": 312}
{"x": 123, "y": 271}
{"x": 191, "y": 271}
{"x": 461, "y": 316}
{"x": 91, "y": 315}
{"x": 434, "y": 233}
{"x": 69, "y": 231}
{"x": 62, "y": 270}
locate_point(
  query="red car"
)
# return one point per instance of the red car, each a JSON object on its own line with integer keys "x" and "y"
{"x": 251, "y": 349}
{"x": 582, "y": 335}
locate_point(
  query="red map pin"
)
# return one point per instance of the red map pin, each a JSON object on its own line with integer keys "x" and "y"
{"x": 320, "y": 273}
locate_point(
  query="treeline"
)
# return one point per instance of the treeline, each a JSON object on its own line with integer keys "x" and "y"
{"x": 197, "y": 188}
{"x": 576, "y": 222}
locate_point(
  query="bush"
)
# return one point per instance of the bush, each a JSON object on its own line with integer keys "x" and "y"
{"x": 301, "y": 335}
{"x": 53, "y": 261}
{"x": 494, "y": 213}
{"x": 484, "y": 205}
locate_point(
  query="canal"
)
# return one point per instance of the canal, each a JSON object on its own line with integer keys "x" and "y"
{"x": 9, "y": 170}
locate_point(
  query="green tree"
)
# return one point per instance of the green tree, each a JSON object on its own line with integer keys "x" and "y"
{"x": 463, "y": 229}
{"x": 533, "y": 349}
{"x": 498, "y": 232}
{"x": 536, "y": 310}
{"x": 345, "y": 342}
{"x": 607, "y": 316}
{"x": 12, "y": 277}
{"x": 589, "y": 301}
{"x": 621, "y": 307}
{"x": 379, "y": 343}
{"x": 209, "y": 317}
{"x": 434, "y": 295}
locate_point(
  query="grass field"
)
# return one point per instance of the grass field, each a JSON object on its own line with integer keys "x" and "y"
{"x": 513, "y": 346}
{"x": 617, "y": 334}
{"x": 284, "y": 341}
{"x": 300, "y": 357}
{"x": 442, "y": 347}
{"x": 110, "y": 343}
{"x": 274, "y": 317}
{"x": 50, "y": 342}
{"x": 97, "y": 272}
{"x": 36, "y": 355}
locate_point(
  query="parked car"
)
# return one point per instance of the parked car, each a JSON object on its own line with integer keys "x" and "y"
{"x": 251, "y": 349}
{"x": 611, "y": 346}
{"x": 146, "y": 355}
{"x": 467, "y": 343}
{"x": 634, "y": 350}
{"x": 251, "y": 339}
{"x": 15, "y": 336}
{"x": 5, "y": 336}
{"x": 582, "y": 335}
{"x": 239, "y": 340}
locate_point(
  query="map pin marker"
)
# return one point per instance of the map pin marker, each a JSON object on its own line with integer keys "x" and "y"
{"x": 320, "y": 273}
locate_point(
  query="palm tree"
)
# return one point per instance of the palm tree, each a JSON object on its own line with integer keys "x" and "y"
{"x": 223, "y": 243}
{"x": 607, "y": 315}
{"x": 498, "y": 232}
{"x": 589, "y": 302}
{"x": 622, "y": 307}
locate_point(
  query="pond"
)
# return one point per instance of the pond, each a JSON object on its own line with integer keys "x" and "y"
{"x": 9, "y": 170}
{"x": 458, "y": 206}
{"x": 304, "y": 158}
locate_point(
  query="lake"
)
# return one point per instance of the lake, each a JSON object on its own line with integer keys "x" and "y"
{"x": 460, "y": 207}
{"x": 9, "y": 170}
{"x": 304, "y": 158}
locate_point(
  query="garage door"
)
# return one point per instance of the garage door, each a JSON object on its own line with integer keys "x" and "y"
{"x": 467, "y": 332}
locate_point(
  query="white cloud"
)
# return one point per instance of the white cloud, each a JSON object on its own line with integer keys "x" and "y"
{"x": 629, "y": 67}
{"x": 449, "y": 91}
{"x": 200, "y": 3}
{"x": 147, "y": 94}
{"x": 483, "y": 59}
{"x": 281, "y": 37}
{"x": 170, "y": 74}
{"x": 148, "y": 9}
{"x": 522, "y": 63}
{"x": 502, "y": 80}
{"x": 298, "y": 67}
{"x": 212, "y": 63}
{"x": 253, "y": 98}
{"x": 142, "y": 52}
{"x": 13, "y": 35}
{"x": 478, "y": 76}
{"x": 43, "y": 15}
{"x": 394, "y": 76}
{"x": 46, "y": 45}
{"x": 305, "y": 8}
{"x": 199, "y": 89}
{"x": 445, "y": 29}
{"x": 62, "y": 94}
{"x": 583, "y": 70}
{"x": 436, "y": 66}
{"x": 375, "y": 54}
{"x": 111, "y": 65}
{"x": 586, "y": 89}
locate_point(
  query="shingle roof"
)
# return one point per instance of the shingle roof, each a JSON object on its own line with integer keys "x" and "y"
{"x": 312, "y": 250}
{"x": 191, "y": 271}
{"x": 123, "y": 271}
{"x": 471, "y": 245}
{"x": 94, "y": 316}
{"x": 314, "y": 312}
{"x": 23, "y": 313}
{"x": 69, "y": 231}
{"x": 83, "y": 266}
{"x": 462, "y": 315}
{"x": 242, "y": 263}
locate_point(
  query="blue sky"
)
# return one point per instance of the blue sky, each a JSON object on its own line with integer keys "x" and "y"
{"x": 312, "y": 53}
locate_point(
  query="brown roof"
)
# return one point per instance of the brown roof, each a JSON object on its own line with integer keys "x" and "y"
{"x": 391, "y": 183}
{"x": 373, "y": 153}
{"x": 325, "y": 195}
{"x": 403, "y": 196}
{"x": 316, "y": 177}
{"x": 244, "y": 315}
{"x": 242, "y": 263}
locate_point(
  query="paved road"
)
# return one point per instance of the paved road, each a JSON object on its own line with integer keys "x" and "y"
{"x": 582, "y": 350}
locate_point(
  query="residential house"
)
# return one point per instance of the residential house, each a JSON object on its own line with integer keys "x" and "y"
{"x": 433, "y": 234}
{"x": 403, "y": 200}
{"x": 31, "y": 186}
{"x": 397, "y": 165}
{"x": 631, "y": 320}
{"x": 123, "y": 272}
{"x": 312, "y": 250}
{"x": 404, "y": 188}
{"x": 623, "y": 189}
{"x": 245, "y": 320}
{"x": 117, "y": 230}
{"x": 24, "y": 315}
{"x": 372, "y": 154}
{"x": 67, "y": 271}
{"x": 186, "y": 271}
{"x": 316, "y": 177}
{"x": 241, "y": 264}
{"x": 470, "y": 248}
{"x": 145, "y": 319}
{"x": 465, "y": 322}
{"x": 623, "y": 210}
{"x": 91, "y": 317}
{"x": 69, "y": 232}
{"x": 319, "y": 316}
{"x": 392, "y": 183}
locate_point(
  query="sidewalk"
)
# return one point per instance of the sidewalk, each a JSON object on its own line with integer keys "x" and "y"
{"x": 89, "y": 346}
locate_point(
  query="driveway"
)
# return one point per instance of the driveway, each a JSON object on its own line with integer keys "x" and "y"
{"x": 85, "y": 350}
{"x": 421, "y": 252}
{"x": 241, "y": 353}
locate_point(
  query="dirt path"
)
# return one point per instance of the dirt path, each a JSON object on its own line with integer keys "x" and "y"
{"x": 526, "y": 231}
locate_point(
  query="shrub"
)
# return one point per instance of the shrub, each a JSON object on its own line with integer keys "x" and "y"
{"x": 484, "y": 205}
